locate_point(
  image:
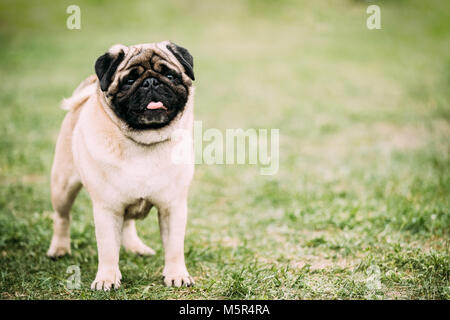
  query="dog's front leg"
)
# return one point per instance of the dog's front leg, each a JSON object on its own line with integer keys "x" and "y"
{"x": 108, "y": 228}
{"x": 173, "y": 226}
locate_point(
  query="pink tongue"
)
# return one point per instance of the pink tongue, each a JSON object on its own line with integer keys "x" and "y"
{"x": 156, "y": 105}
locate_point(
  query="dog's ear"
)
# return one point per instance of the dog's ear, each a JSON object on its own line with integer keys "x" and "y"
{"x": 107, "y": 64}
{"x": 184, "y": 57}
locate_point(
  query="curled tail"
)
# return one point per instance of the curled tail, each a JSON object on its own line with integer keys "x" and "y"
{"x": 80, "y": 94}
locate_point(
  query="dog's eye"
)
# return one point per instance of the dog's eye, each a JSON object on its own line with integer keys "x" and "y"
{"x": 127, "y": 83}
{"x": 169, "y": 74}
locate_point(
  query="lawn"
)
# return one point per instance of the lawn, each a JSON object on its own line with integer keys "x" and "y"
{"x": 360, "y": 206}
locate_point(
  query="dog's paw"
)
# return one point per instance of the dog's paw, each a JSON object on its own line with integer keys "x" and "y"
{"x": 179, "y": 280}
{"x": 139, "y": 248}
{"x": 177, "y": 277}
{"x": 107, "y": 280}
{"x": 58, "y": 249}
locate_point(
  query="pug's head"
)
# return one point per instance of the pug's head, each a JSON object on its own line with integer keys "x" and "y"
{"x": 146, "y": 85}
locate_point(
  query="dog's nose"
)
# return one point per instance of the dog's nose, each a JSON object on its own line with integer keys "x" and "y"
{"x": 150, "y": 82}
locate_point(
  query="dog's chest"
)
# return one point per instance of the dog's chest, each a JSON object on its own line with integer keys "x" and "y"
{"x": 120, "y": 172}
{"x": 151, "y": 176}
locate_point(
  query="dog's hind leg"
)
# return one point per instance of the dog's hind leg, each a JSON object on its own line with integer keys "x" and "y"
{"x": 131, "y": 242}
{"x": 65, "y": 185}
{"x": 63, "y": 196}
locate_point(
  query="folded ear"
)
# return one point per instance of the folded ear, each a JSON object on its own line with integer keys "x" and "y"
{"x": 184, "y": 57}
{"x": 106, "y": 65}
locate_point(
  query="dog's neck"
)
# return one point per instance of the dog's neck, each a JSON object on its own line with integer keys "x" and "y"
{"x": 183, "y": 121}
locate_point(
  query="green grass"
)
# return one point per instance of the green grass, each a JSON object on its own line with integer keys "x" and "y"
{"x": 364, "y": 177}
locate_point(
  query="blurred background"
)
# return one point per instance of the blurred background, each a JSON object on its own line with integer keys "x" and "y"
{"x": 360, "y": 205}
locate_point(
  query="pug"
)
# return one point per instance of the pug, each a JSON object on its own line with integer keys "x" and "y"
{"x": 117, "y": 141}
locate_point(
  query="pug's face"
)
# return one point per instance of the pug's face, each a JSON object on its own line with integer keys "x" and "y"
{"x": 146, "y": 85}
